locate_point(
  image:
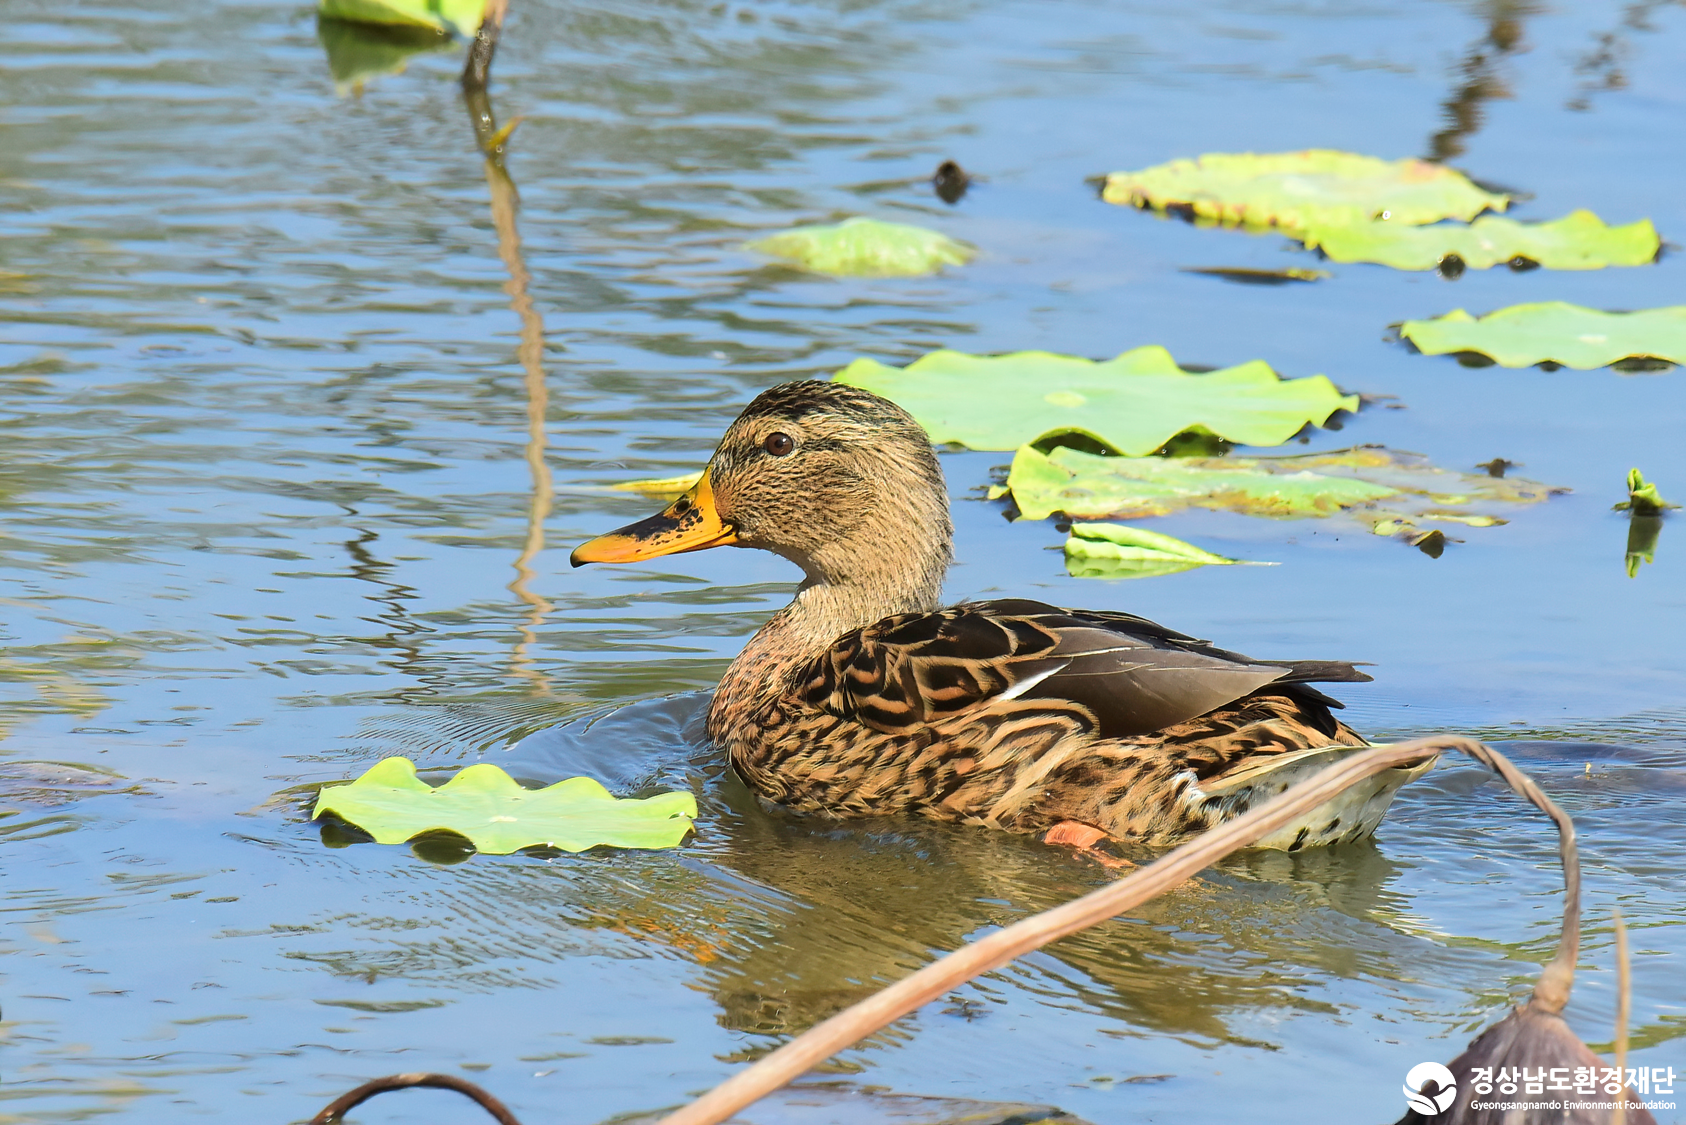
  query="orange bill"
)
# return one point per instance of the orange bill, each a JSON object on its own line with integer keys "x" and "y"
{"x": 690, "y": 523}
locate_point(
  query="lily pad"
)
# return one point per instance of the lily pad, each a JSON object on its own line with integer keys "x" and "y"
{"x": 866, "y": 248}
{"x": 1134, "y": 403}
{"x": 460, "y": 16}
{"x": 1555, "y": 332}
{"x": 1577, "y": 241}
{"x": 1115, "y": 550}
{"x": 1300, "y": 190}
{"x": 499, "y": 815}
{"x": 1084, "y": 485}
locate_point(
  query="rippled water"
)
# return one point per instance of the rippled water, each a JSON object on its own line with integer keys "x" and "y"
{"x": 290, "y": 460}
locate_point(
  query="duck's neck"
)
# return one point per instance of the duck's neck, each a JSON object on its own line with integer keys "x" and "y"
{"x": 821, "y": 613}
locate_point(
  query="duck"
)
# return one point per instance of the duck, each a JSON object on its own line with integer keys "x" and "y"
{"x": 867, "y": 697}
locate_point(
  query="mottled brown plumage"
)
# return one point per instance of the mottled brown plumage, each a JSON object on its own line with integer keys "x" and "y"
{"x": 862, "y": 697}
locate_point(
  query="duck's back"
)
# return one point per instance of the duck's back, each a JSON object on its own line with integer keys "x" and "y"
{"x": 1021, "y": 714}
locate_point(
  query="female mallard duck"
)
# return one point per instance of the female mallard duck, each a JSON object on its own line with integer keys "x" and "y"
{"x": 863, "y": 697}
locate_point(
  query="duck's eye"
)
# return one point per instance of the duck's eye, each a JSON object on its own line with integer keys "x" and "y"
{"x": 778, "y": 444}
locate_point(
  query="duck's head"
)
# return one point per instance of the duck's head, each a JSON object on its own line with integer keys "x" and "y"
{"x": 837, "y": 480}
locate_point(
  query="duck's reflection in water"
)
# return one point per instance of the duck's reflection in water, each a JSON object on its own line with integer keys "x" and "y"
{"x": 793, "y": 919}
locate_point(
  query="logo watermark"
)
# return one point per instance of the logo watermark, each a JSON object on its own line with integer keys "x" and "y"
{"x": 1430, "y": 1088}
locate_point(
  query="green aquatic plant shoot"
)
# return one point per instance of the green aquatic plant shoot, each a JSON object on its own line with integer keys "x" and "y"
{"x": 866, "y": 248}
{"x": 1116, "y": 550}
{"x": 1134, "y": 403}
{"x": 1300, "y": 190}
{"x": 1578, "y": 241}
{"x": 1643, "y": 499}
{"x": 1555, "y": 332}
{"x": 499, "y": 815}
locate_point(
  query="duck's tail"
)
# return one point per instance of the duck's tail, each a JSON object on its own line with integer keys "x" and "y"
{"x": 1351, "y": 816}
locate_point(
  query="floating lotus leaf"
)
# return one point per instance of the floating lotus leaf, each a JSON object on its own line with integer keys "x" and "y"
{"x": 866, "y": 248}
{"x": 460, "y": 16}
{"x": 1115, "y": 550}
{"x": 1134, "y": 403}
{"x": 1299, "y": 190}
{"x": 499, "y": 815}
{"x": 1555, "y": 332}
{"x": 1085, "y": 485}
{"x": 1577, "y": 241}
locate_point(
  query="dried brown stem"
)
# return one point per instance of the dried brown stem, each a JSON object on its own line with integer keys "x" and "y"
{"x": 1623, "y": 984}
{"x": 477, "y": 71}
{"x": 840, "y": 1031}
{"x": 340, "y": 1106}
{"x": 530, "y": 353}
{"x": 1551, "y": 992}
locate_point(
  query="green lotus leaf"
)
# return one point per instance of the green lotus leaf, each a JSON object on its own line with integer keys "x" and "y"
{"x": 1134, "y": 403}
{"x": 499, "y": 815}
{"x": 460, "y": 16}
{"x": 358, "y": 52}
{"x": 1643, "y": 499}
{"x": 1299, "y": 190}
{"x": 1577, "y": 241}
{"x": 1085, "y": 486}
{"x": 1115, "y": 550}
{"x": 1555, "y": 332}
{"x": 866, "y": 248}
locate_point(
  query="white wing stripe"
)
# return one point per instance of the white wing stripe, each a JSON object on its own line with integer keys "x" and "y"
{"x": 1029, "y": 682}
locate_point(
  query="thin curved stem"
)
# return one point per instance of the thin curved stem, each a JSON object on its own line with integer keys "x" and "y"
{"x": 345, "y": 1103}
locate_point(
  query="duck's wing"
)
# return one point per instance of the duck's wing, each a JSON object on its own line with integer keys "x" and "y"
{"x": 1133, "y": 675}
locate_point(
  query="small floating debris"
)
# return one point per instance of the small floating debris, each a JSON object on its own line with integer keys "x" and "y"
{"x": 1498, "y": 466}
{"x": 1258, "y": 277}
{"x": 951, "y": 182}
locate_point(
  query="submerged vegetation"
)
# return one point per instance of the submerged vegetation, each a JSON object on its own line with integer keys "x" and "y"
{"x": 862, "y": 247}
{"x": 1304, "y": 191}
{"x": 1367, "y": 482}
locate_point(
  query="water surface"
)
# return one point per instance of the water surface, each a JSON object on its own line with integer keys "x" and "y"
{"x": 290, "y": 462}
